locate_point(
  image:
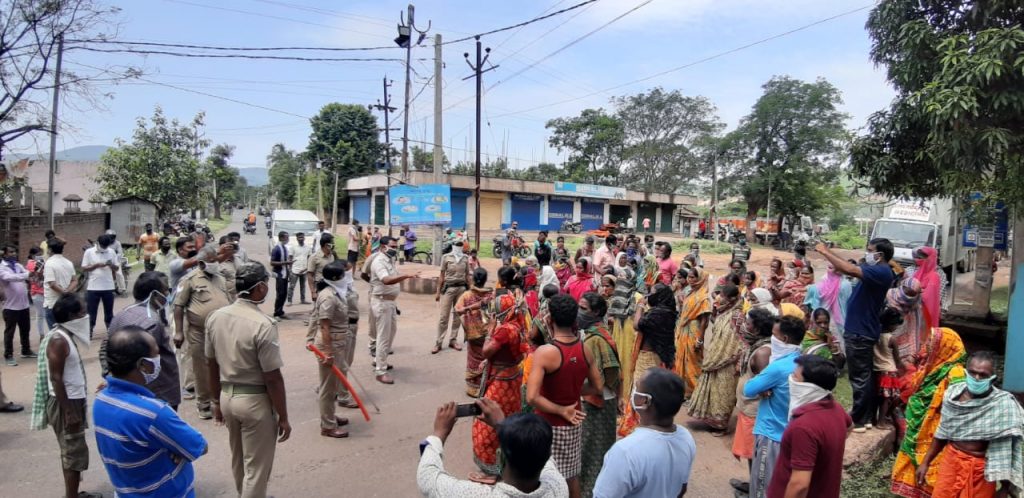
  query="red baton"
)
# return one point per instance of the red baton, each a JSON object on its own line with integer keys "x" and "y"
{"x": 341, "y": 377}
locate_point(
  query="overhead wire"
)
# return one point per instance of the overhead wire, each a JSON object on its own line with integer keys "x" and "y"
{"x": 268, "y": 16}
{"x": 234, "y": 49}
{"x": 238, "y": 56}
{"x": 524, "y": 23}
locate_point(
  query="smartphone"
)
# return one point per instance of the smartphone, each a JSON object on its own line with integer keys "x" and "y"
{"x": 467, "y": 410}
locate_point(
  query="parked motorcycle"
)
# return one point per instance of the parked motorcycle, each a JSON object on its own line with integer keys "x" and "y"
{"x": 519, "y": 246}
{"x": 570, "y": 226}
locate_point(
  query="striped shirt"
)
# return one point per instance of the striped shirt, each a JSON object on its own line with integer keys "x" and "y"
{"x": 146, "y": 448}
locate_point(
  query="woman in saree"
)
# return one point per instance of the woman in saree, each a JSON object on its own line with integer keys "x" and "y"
{"x": 693, "y": 321}
{"x": 470, "y": 307}
{"x": 831, "y": 293}
{"x": 655, "y": 347}
{"x": 750, "y": 282}
{"x": 502, "y": 380}
{"x": 601, "y": 409}
{"x": 582, "y": 281}
{"x": 820, "y": 339}
{"x": 941, "y": 365}
{"x": 607, "y": 289}
{"x": 563, "y": 271}
{"x": 715, "y": 396}
{"x": 906, "y": 298}
{"x": 621, "y": 307}
{"x": 794, "y": 291}
{"x": 776, "y": 274}
{"x": 647, "y": 274}
{"x": 933, "y": 283}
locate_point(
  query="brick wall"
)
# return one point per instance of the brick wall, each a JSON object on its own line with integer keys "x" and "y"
{"x": 76, "y": 229}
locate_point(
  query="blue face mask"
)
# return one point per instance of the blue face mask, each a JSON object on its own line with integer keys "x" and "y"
{"x": 979, "y": 386}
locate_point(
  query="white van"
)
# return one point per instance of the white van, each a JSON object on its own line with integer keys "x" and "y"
{"x": 292, "y": 221}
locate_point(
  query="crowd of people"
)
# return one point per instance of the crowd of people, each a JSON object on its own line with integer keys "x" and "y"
{"x": 608, "y": 344}
{"x": 578, "y": 364}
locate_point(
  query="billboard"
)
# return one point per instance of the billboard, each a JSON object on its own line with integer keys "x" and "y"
{"x": 422, "y": 205}
{"x": 587, "y": 190}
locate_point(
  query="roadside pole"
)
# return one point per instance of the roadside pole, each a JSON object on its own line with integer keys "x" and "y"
{"x": 53, "y": 125}
{"x": 1014, "y": 370}
{"x": 438, "y": 150}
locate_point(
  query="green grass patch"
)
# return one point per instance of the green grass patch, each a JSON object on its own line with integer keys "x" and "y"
{"x": 870, "y": 480}
{"x": 843, "y": 392}
{"x": 218, "y": 224}
{"x": 999, "y": 302}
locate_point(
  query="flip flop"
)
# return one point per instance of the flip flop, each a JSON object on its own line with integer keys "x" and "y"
{"x": 483, "y": 478}
{"x": 454, "y": 345}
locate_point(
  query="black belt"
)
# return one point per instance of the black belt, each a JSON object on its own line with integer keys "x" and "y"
{"x": 353, "y": 320}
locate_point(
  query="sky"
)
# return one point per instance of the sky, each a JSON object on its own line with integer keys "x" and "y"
{"x": 552, "y": 68}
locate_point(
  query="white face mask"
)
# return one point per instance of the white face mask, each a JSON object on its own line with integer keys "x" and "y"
{"x": 802, "y": 393}
{"x": 632, "y": 400}
{"x": 211, "y": 268}
{"x": 79, "y": 329}
{"x": 339, "y": 286}
{"x": 870, "y": 258}
{"x": 780, "y": 349}
{"x": 155, "y": 363}
{"x": 457, "y": 251}
{"x": 248, "y": 293}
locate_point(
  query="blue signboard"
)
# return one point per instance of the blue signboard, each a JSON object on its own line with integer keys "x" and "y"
{"x": 422, "y": 205}
{"x": 990, "y": 233}
{"x": 587, "y": 190}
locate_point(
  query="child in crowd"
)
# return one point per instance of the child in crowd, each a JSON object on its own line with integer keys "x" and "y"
{"x": 888, "y": 369}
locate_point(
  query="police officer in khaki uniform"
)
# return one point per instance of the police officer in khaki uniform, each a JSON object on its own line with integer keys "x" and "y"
{"x": 365, "y": 275}
{"x": 330, "y": 332}
{"x": 198, "y": 294}
{"x": 345, "y": 398}
{"x": 384, "y": 290}
{"x": 454, "y": 281}
{"x": 318, "y": 261}
{"x": 229, "y": 262}
{"x": 245, "y": 373}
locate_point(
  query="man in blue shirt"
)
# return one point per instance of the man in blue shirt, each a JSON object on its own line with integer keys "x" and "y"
{"x": 772, "y": 386}
{"x": 656, "y": 459}
{"x": 146, "y": 448}
{"x": 862, "y": 327}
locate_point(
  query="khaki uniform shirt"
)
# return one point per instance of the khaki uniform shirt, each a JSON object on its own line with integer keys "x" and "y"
{"x": 244, "y": 343}
{"x": 317, "y": 263}
{"x": 332, "y": 308}
{"x": 379, "y": 269}
{"x": 455, "y": 273}
{"x": 228, "y": 270}
{"x": 200, "y": 294}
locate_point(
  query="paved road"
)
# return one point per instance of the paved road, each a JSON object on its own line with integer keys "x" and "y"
{"x": 378, "y": 459}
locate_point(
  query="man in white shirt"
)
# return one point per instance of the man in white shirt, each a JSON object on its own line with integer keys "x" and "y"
{"x": 59, "y": 278}
{"x": 355, "y": 233}
{"x": 100, "y": 264}
{"x": 300, "y": 252}
{"x": 656, "y": 459}
{"x": 320, "y": 230}
{"x": 525, "y": 441}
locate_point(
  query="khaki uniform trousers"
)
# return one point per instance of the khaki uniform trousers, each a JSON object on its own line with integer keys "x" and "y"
{"x": 385, "y": 320}
{"x": 252, "y": 435}
{"x": 372, "y": 327}
{"x": 196, "y": 338}
{"x": 331, "y": 389}
{"x": 448, "y": 299}
{"x": 188, "y": 379}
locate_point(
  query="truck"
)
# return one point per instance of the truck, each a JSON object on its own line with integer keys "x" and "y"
{"x": 913, "y": 223}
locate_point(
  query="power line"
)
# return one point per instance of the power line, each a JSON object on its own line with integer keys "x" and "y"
{"x": 524, "y": 23}
{"x": 268, "y": 16}
{"x": 234, "y": 49}
{"x": 693, "y": 63}
{"x": 237, "y": 56}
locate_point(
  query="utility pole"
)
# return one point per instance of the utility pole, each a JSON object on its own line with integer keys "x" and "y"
{"x": 320, "y": 192}
{"x": 438, "y": 148}
{"x": 714, "y": 195}
{"x": 478, "y": 72}
{"x": 387, "y": 109}
{"x": 334, "y": 209}
{"x": 404, "y": 40}
{"x": 53, "y": 123}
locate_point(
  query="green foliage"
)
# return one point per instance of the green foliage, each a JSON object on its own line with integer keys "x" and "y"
{"x": 423, "y": 160}
{"x": 285, "y": 168}
{"x": 159, "y": 164}
{"x": 595, "y": 143}
{"x": 870, "y": 480}
{"x": 847, "y": 237}
{"x": 793, "y": 140}
{"x": 344, "y": 140}
{"x": 668, "y": 138}
{"x": 220, "y": 176}
{"x": 955, "y": 126}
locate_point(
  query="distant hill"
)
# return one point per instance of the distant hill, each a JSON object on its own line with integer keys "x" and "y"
{"x": 256, "y": 177}
{"x": 82, "y": 153}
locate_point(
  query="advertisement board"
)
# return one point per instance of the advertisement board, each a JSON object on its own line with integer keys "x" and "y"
{"x": 587, "y": 190}
{"x": 422, "y": 205}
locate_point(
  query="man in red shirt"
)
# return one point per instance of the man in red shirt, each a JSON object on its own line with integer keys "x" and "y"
{"x": 810, "y": 460}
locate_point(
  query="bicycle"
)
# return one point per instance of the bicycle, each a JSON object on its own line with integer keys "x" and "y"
{"x": 422, "y": 257}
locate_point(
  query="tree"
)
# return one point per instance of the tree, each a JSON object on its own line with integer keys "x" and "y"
{"x": 284, "y": 169}
{"x": 957, "y": 123}
{"x": 423, "y": 160}
{"x": 160, "y": 164}
{"x": 594, "y": 140}
{"x": 344, "y": 140}
{"x": 543, "y": 172}
{"x": 29, "y": 38}
{"x": 664, "y": 136}
{"x": 221, "y": 176}
{"x": 791, "y": 144}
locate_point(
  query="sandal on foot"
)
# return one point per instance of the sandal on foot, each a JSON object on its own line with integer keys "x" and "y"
{"x": 454, "y": 345}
